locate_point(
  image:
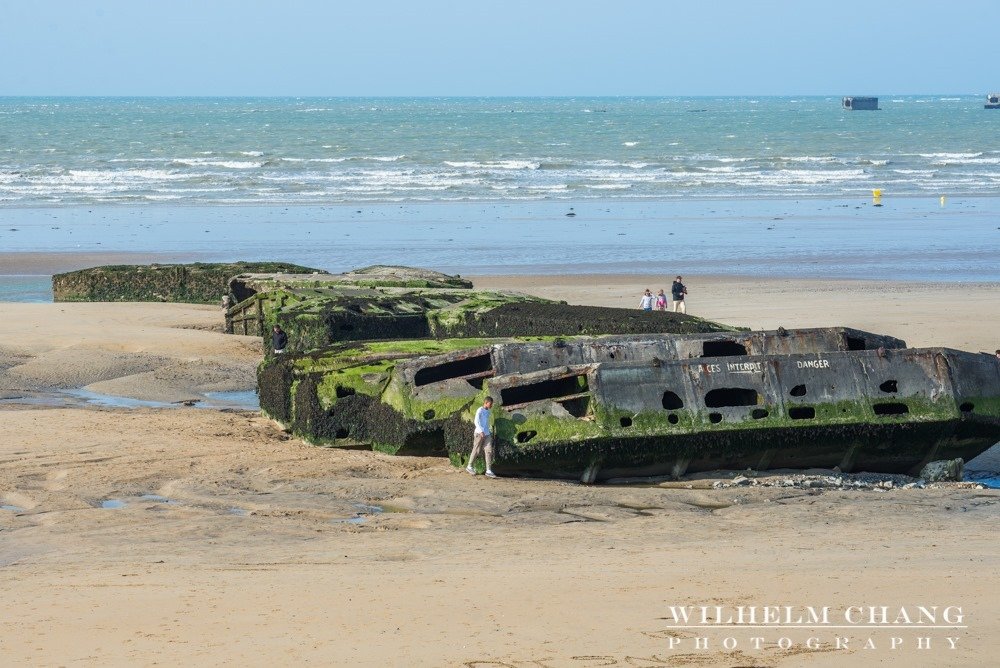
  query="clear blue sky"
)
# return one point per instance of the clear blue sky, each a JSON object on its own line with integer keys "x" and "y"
{"x": 497, "y": 47}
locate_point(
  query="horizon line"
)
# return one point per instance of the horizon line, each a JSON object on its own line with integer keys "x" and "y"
{"x": 473, "y": 96}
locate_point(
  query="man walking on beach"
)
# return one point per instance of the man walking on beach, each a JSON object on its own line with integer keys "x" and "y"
{"x": 483, "y": 439}
{"x": 678, "y": 291}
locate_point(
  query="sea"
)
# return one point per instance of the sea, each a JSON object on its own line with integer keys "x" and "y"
{"x": 776, "y": 186}
{"x": 320, "y": 151}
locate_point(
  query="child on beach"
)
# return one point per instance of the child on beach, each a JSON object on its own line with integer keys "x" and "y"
{"x": 661, "y": 301}
{"x": 646, "y": 303}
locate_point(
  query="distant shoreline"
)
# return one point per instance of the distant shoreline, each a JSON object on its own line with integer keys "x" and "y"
{"x": 908, "y": 239}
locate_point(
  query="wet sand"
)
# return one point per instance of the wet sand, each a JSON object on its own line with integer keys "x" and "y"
{"x": 273, "y": 552}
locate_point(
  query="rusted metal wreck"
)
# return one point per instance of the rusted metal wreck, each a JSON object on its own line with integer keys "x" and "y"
{"x": 665, "y": 397}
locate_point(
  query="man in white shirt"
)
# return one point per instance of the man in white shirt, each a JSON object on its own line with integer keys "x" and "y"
{"x": 483, "y": 439}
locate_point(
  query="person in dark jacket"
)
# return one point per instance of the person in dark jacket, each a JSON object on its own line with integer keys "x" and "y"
{"x": 279, "y": 340}
{"x": 678, "y": 291}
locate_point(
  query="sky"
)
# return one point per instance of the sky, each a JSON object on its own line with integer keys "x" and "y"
{"x": 497, "y": 47}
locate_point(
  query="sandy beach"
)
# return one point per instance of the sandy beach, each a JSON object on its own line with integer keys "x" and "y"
{"x": 226, "y": 542}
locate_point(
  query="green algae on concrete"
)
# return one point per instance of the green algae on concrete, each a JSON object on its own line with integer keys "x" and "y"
{"x": 197, "y": 283}
{"x": 615, "y": 431}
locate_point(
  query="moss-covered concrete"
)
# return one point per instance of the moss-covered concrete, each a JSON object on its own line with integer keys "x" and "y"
{"x": 859, "y": 433}
{"x": 197, "y": 283}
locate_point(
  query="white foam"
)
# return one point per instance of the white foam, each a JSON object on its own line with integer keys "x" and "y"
{"x": 809, "y": 158}
{"x": 950, "y": 156}
{"x": 498, "y": 164}
{"x": 630, "y": 143}
{"x": 227, "y": 164}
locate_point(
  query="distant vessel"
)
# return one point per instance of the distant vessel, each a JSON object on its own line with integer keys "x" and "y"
{"x": 992, "y": 101}
{"x": 861, "y": 103}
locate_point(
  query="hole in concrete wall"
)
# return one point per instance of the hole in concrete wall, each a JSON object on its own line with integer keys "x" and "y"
{"x": 455, "y": 369}
{"x": 671, "y": 401}
{"x": 625, "y": 422}
{"x": 672, "y": 418}
{"x": 891, "y": 408}
{"x": 525, "y": 436}
{"x": 854, "y": 343}
{"x": 731, "y": 396}
{"x": 344, "y": 391}
{"x": 611, "y": 355}
{"x": 798, "y": 391}
{"x": 967, "y": 407}
{"x": 429, "y": 414}
{"x": 715, "y": 418}
{"x": 888, "y": 386}
{"x": 343, "y": 432}
{"x": 577, "y": 407}
{"x": 802, "y": 413}
{"x": 759, "y": 413}
{"x": 547, "y": 389}
{"x": 723, "y": 348}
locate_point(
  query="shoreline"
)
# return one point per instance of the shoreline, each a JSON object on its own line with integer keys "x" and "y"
{"x": 861, "y": 196}
{"x": 907, "y": 239}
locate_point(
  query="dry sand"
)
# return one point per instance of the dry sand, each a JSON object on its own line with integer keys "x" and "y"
{"x": 270, "y": 552}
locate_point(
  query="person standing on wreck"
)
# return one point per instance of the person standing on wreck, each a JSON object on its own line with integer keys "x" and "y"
{"x": 483, "y": 439}
{"x": 279, "y": 339}
{"x": 678, "y": 291}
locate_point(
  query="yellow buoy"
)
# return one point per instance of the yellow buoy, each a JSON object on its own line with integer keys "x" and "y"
{"x": 877, "y": 197}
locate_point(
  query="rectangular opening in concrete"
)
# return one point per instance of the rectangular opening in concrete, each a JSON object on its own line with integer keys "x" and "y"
{"x": 855, "y": 343}
{"x": 472, "y": 369}
{"x": 570, "y": 391}
{"x": 723, "y": 348}
{"x": 891, "y": 408}
{"x": 731, "y": 396}
{"x": 802, "y": 413}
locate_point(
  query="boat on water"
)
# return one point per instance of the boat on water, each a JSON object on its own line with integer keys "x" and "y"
{"x": 992, "y": 101}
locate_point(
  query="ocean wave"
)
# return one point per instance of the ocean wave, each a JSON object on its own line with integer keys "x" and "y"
{"x": 809, "y": 158}
{"x": 953, "y": 162}
{"x": 227, "y": 164}
{"x": 951, "y": 156}
{"x": 497, "y": 164}
{"x": 612, "y": 163}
